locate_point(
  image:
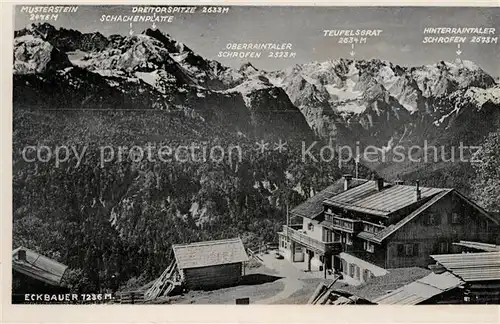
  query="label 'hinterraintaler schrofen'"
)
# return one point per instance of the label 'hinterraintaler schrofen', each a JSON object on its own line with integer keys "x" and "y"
{"x": 459, "y": 35}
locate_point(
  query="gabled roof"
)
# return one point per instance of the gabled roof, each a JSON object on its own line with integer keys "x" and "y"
{"x": 391, "y": 229}
{"x": 209, "y": 253}
{"x": 472, "y": 266}
{"x": 38, "y": 266}
{"x": 366, "y": 198}
{"x": 313, "y": 206}
{"x": 420, "y": 290}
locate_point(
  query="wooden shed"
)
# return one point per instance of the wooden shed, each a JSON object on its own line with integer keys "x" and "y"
{"x": 35, "y": 273}
{"x": 37, "y": 266}
{"x": 210, "y": 264}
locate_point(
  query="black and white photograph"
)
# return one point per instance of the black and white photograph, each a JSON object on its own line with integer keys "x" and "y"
{"x": 255, "y": 155}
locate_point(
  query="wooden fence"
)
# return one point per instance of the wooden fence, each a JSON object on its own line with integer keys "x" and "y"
{"x": 130, "y": 297}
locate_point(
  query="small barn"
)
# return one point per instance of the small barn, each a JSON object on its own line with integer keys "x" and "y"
{"x": 35, "y": 273}
{"x": 210, "y": 264}
{"x": 201, "y": 266}
{"x": 37, "y": 266}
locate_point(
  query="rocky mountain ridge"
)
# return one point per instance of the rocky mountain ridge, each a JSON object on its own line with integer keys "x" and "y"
{"x": 146, "y": 71}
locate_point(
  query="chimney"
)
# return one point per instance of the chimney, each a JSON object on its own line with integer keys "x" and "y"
{"x": 21, "y": 255}
{"x": 380, "y": 184}
{"x": 347, "y": 181}
{"x": 418, "y": 192}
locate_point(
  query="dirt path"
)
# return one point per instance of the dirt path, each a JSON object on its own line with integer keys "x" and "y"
{"x": 291, "y": 286}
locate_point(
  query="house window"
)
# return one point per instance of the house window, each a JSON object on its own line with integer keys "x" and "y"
{"x": 443, "y": 247}
{"x": 310, "y": 227}
{"x": 455, "y": 218}
{"x": 348, "y": 239}
{"x": 327, "y": 235}
{"x": 407, "y": 249}
{"x": 369, "y": 246}
{"x": 367, "y": 275}
{"x": 344, "y": 266}
{"x": 351, "y": 270}
{"x": 433, "y": 219}
{"x": 358, "y": 273}
{"x": 369, "y": 228}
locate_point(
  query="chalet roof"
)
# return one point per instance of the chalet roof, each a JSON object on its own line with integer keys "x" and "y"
{"x": 313, "y": 206}
{"x": 209, "y": 253}
{"x": 366, "y": 198}
{"x": 38, "y": 266}
{"x": 391, "y": 229}
{"x": 486, "y": 247}
{"x": 472, "y": 266}
{"x": 421, "y": 290}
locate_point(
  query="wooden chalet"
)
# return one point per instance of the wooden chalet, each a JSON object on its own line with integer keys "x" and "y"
{"x": 361, "y": 227}
{"x": 202, "y": 266}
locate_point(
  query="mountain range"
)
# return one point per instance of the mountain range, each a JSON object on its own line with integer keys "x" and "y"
{"x": 374, "y": 102}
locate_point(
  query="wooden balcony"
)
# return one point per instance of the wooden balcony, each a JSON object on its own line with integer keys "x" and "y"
{"x": 311, "y": 243}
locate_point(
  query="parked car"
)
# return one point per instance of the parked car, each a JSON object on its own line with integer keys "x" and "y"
{"x": 278, "y": 256}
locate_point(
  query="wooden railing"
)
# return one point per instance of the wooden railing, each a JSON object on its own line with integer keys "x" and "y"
{"x": 311, "y": 243}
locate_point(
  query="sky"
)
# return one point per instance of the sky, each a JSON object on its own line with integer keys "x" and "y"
{"x": 400, "y": 41}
